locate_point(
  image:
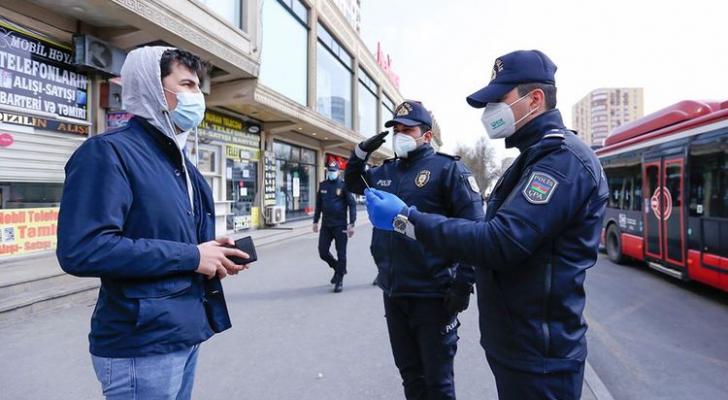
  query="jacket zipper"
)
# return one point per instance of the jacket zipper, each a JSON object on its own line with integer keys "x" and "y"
{"x": 391, "y": 244}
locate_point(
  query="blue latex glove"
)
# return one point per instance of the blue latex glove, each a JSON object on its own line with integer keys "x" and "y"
{"x": 382, "y": 207}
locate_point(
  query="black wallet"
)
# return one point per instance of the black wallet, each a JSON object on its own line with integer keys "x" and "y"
{"x": 245, "y": 244}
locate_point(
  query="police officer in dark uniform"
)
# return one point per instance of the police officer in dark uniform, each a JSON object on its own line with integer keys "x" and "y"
{"x": 333, "y": 201}
{"x": 540, "y": 235}
{"x": 423, "y": 292}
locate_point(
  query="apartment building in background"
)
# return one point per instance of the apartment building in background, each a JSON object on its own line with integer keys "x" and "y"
{"x": 602, "y": 110}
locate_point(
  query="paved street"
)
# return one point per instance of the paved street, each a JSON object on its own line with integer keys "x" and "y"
{"x": 650, "y": 338}
{"x": 653, "y": 337}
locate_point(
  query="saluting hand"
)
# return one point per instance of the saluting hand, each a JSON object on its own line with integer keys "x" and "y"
{"x": 374, "y": 142}
{"x": 214, "y": 258}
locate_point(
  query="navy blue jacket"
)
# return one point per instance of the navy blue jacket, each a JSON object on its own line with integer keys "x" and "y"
{"x": 125, "y": 217}
{"x": 541, "y": 234}
{"x": 435, "y": 183}
{"x": 333, "y": 200}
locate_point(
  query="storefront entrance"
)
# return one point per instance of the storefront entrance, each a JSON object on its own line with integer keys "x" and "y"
{"x": 295, "y": 179}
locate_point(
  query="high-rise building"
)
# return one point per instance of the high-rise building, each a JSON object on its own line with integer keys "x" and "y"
{"x": 602, "y": 110}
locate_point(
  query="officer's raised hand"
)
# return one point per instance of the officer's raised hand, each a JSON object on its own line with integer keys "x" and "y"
{"x": 373, "y": 143}
{"x": 383, "y": 207}
{"x": 457, "y": 298}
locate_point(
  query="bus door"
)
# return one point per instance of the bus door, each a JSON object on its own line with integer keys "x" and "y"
{"x": 664, "y": 191}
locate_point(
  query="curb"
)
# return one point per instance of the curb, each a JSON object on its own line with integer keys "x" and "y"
{"x": 592, "y": 380}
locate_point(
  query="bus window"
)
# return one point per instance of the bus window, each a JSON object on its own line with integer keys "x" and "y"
{"x": 625, "y": 187}
{"x": 637, "y": 189}
{"x": 615, "y": 189}
{"x": 626, "y": 193}
{"x": 723, "y": 212}
{"x": 706, "y": 199}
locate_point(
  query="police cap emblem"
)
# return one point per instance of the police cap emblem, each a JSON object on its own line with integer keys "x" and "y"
{"x": 539, "y": 188}
{"x": 497, "y": 67}
{"x": 422, "y": 178}
{"x": 403, "y": 109}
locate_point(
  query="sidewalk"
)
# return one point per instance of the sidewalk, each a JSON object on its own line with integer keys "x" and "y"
{"x": 36, "y": 283}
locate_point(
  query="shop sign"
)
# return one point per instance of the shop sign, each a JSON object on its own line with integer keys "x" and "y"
{"x": 38, "y": 75}
{"x": 27, "y": 230}
{"x": 340, "y": 161}
{"x": 218, "y": 127}
{"x": 6, "y": 140}
{"x": 269, "y": 178}
{"x": 117, "y": 119}
{"x": 43, "y": 123}
{"x": 386, "y": 63}
{"x": 241, "y": 152}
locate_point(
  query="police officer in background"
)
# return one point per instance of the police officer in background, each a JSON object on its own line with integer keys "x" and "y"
{"x": 541, "y": 234}
{"x": 423, "y": 292}
{"x": 333, "y": 200}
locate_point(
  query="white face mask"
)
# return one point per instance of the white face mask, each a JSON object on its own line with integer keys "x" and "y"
{"x": 404, "y": 144}
{"x": 499, "y": 121}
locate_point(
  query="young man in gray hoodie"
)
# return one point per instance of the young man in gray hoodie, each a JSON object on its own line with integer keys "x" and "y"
{"x": 139, "y": 215}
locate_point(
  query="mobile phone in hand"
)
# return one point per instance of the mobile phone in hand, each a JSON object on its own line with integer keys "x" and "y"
{"x": 245, "y": 244}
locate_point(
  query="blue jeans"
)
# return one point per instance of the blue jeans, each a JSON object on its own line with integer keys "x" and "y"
{"x": 158, "y": 377}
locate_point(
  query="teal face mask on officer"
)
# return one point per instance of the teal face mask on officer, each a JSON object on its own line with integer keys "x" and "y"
{"x": 332, "y": 175}
{"x": 499, "y": 121}
{"x": 190, "y": 109}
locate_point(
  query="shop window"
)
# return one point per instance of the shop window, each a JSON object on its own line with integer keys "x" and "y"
{"x": 207, "y": 161}
{"x": 295, "y": 181}
{"x": 241, "y": 188}
{"x": 29, "y": 195}
{"x": 284, "y": 62}
{"x": 308, "y": 156}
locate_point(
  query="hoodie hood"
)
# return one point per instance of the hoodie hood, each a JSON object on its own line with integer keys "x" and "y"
{"x": 142, "y": 93}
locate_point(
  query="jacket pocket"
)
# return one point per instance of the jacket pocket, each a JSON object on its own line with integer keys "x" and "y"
{"x": 157, "y": 288}
{"x": 177, "y": 317}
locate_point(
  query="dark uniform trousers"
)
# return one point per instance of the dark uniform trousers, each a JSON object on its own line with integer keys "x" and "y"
{"x": 514, "y": 384}
{"x": 424, "y": 342}
{"x": 326, "y": 235}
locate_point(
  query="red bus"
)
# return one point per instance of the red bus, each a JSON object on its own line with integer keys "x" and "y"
{"x": 668, "y": 181}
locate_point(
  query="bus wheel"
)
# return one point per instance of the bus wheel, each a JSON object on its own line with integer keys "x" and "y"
{"x": 614, "y": 245}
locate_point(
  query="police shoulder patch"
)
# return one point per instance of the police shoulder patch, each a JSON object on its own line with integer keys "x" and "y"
{"x": 540, "y": 188}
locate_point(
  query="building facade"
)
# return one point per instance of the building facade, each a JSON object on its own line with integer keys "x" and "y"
{"x": 602, "y": 110}
{"x": 291, "y": 85}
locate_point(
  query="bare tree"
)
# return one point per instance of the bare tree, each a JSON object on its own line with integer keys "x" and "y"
{"x": 480, "y": 159}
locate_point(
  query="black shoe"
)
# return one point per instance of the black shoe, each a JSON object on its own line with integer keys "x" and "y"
{"x": 334, "y": 278}
{"x": 339, "y": 286}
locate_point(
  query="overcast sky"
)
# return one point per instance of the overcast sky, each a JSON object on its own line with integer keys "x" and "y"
{"x": 444, "y": 50}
